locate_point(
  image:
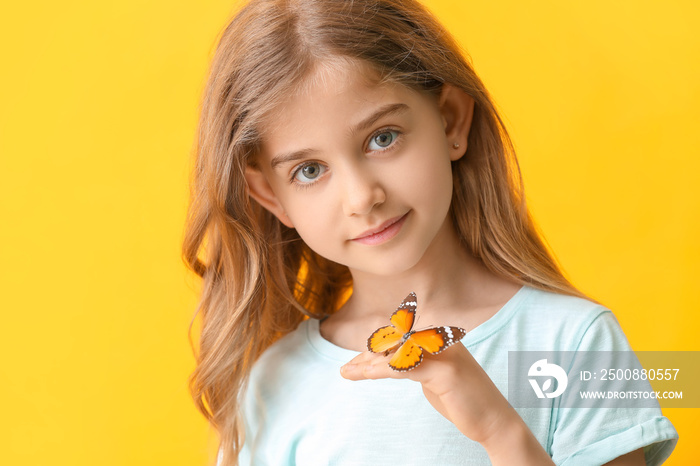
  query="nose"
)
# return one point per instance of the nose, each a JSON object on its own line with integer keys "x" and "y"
{"x": 362, "y": 192}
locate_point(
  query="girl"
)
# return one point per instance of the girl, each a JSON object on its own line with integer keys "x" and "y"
{"x": 348, "y": 154}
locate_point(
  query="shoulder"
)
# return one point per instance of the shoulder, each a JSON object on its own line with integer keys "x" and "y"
{"x": 567, "y": 322}
{"x": 292, "y": 349}
{"x": 573, "y": 332}
{"x": 289, "y": 363}
{"x": 557, "y": 304}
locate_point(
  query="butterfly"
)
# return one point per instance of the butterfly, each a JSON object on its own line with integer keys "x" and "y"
{"x": 410, "y": 343}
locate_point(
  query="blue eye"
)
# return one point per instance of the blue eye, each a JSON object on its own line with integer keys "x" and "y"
{"x": 381, "y": 141}
{"x": 308, "y": 172}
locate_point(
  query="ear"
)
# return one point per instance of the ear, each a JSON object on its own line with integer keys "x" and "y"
{"x": 260, "y": 190}
{"x": 457, "y": 110}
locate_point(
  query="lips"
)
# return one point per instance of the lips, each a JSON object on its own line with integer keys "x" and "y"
{"x": 383, "y": 232}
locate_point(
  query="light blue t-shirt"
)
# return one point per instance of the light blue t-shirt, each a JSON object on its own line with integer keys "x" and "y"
{"x": 298, "y": 410}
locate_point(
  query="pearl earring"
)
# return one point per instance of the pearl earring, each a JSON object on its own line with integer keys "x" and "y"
{"x": 455, "y": 145}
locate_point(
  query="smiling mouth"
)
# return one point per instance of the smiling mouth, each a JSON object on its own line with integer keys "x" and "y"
{"x": 383, "y": 233}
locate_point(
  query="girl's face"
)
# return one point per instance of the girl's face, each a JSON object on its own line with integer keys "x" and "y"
{"x": 362, "y": 171}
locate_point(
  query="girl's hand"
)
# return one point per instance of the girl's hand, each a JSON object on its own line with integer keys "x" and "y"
{"x": 459, "y": 389}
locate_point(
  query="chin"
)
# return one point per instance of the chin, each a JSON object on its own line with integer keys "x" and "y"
{"x": 380, "y": 266}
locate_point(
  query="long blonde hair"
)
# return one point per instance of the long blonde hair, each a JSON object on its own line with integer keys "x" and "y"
{"x": 259, "y": 279}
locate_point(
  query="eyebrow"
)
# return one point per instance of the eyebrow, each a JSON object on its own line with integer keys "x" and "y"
{"x": 384, "y": 111}
{"x": 289, "y": 157}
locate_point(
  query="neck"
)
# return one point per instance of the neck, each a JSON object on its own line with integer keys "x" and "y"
{"x": 447, "y": 280}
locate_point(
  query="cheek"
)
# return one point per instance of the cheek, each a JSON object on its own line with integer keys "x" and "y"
{"x": 428, "y": 177}
{"x": 314, "y": 220}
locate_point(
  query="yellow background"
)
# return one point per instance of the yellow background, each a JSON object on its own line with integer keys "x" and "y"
{"x": 98, "y": 105}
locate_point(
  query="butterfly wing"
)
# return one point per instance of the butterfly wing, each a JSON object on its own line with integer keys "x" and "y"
{"x": 405, "y": 314}
{"x": 410, "y": 351}
{"x": 408, "y": 356}
{"x": 437, "y": 339}
{"x": 385, "y": 339}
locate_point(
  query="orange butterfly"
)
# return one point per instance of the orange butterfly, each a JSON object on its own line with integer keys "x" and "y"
{"x": 410, "y": 343}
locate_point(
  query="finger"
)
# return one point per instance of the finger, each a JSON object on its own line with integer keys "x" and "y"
{"x": 364, "y": 357}
{"x": 364, "y": 371}
{"x": 359, "y": 367}
{"x": 371, "y": 367}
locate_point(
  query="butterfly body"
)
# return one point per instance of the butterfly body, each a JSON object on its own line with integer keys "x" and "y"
{"x": 404, "y": 339}
{"x": 408, "y": 343}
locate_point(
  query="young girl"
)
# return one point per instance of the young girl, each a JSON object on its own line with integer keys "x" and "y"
{"x": 348, "y": 154}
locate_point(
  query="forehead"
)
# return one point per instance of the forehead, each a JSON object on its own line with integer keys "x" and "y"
{"x": 326, "y": 79}
{"x": 334, "y": 71}
{"x": 333, "y": 95}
